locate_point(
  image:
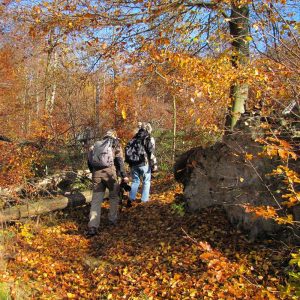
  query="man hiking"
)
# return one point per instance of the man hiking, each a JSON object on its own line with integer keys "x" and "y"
{"x": 105, "y": 161}
{"x": 139, "y": 154}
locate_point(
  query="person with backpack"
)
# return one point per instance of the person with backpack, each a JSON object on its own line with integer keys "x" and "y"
{"x": 139, "y": 154}
{"x": 105, "y": 161}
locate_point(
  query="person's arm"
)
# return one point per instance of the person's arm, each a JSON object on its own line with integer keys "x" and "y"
{"x": 119, "y": 161}
{"x": 151, "y": 154}
{"x": 90, "y": 156}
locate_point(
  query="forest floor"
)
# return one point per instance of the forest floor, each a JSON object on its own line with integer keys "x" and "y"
{"x": 156, "y": 252}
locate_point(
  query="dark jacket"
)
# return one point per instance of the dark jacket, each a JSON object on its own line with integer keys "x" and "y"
{"x": 149, "y": 144}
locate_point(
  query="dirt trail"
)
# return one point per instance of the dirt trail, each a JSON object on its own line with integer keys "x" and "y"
{"x": 155, "y": 252}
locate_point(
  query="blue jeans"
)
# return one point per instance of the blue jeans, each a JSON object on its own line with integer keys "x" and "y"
{"x": 137, "y": 174}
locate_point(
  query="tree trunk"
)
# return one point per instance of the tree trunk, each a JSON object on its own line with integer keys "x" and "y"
{"x": 44, "y": 206}
{"x": 97, "y": 108}
{"x": 116, "y": 104}
{"x": 26, "y": 105}
{"x": 239, "y": 30}
{"x": 174, "y": 129}
{"x": 37, "y": 106}
{"x": 50, "y": 80}
{"x": 50, "y": 99}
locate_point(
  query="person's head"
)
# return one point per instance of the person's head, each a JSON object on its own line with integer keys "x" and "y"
{"x": 139, "y": 127}
{"x": 111, "y": 133}
{"x": 147, "y": 127}
{"x": 144, "y": 126}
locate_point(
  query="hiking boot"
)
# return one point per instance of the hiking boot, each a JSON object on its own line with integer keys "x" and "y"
{"x": 92, "y": 231}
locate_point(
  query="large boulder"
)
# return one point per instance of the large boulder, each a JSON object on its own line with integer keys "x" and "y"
{"x": 232, "y": 174}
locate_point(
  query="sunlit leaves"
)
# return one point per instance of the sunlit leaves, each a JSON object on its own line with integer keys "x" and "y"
{"x": 160, "y": 254}
{"x": 206, "y": 82}
{"x": 275, "y": 147}
{"x": 267, "y": 212}
{"x": 124, "y": 115}
{"x": 16, "y": 163}
{"x": 278, "y": 147}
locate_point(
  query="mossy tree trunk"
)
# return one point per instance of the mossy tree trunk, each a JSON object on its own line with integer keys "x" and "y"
{"x": 239, "y": 30}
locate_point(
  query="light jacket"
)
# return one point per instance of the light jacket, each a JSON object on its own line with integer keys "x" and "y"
{"x": 117, "y": 167}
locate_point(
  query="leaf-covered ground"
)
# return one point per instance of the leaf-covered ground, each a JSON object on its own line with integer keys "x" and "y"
{"x": 155, "y": 252}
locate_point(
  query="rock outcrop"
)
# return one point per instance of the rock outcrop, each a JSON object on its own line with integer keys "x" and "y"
{"x": 231, "y": 174}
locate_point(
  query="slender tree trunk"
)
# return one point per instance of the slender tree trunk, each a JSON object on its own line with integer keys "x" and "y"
{"x": 46, "y": 80}
{"x": 50, "y": 80}
{"x": 50, "y": 99}
{"x": 239, "y": 30}
{"x": 26, "y": 105}
{"x": 174, "y": 129}
{"x": 25, "y": 113}
{"x": 97, "y": 108}
{"x": 72, "y": 120}
{"x": 116, "y": 104}
{"x": 37, "y": 104}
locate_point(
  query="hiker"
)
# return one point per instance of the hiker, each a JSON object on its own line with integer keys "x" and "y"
{"x": 105, "y": 161}
{"x": 139, "y": 154}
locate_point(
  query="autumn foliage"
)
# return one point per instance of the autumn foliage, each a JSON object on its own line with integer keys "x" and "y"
{"x": 153, "y": 253}
{"x": 70, "y": 70}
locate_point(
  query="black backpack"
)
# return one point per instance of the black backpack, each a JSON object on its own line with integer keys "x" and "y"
{"x": 103, "y": 156}
{"x": 135, "y": 150}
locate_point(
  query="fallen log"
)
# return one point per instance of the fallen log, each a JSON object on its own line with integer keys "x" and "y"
{"x": 5, "y": 139}
{"x": 45, "y": 206}
{"x": 47, "y": 185}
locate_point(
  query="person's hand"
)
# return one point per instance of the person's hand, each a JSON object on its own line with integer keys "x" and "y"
{"x": 154, "y": 169}
{"x": 126, "y": 179}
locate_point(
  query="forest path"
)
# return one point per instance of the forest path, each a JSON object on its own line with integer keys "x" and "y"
{"x": 155, "y": 252}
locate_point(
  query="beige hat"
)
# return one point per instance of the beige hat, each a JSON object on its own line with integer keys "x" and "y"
{"x": 147, "y": 127}
{"x": 111, "y": 133}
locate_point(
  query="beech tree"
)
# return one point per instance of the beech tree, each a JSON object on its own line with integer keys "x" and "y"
{"x": 202, "y": 59}
{"x": 195, "y": 27}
